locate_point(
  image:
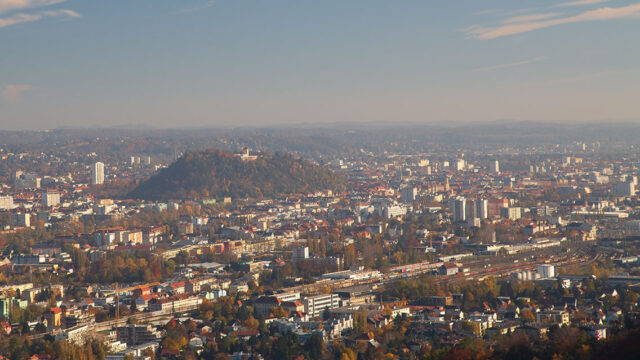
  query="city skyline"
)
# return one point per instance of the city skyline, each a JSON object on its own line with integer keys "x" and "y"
{"x": 316, "y": 180}
{"x": 239, "y": 63}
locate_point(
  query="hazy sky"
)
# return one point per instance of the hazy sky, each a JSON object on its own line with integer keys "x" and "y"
{"x": 174, "y": 63}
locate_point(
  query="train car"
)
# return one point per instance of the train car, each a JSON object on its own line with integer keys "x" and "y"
{"x": 422, "y": 266}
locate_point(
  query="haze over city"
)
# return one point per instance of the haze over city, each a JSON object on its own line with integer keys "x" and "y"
{"x": 319, "y": 180}
{"x": 169, "y": 63}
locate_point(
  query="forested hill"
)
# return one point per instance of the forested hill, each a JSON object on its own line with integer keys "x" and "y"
{"x": 217, "y": 174}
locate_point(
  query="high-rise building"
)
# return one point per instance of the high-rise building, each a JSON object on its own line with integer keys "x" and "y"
{"x": 495, "y": 205}
{"x": 6, "y": 203}
{"x": 299, "y": 253}
{"x": 626, "y": 188}
{"x": 459, "y": 207}
{"x": 97, "y": 173}
{"x": 135, "y": 160}
{"x": 20, "y": 219}
{"x": 481, "y": 208}
{"x": 511, "y": 213}
{"x": 50, "y": 198}
{"x": 495, "y": 166}
{"x": 408, "y": 195}
{"x": 460, "y": 164}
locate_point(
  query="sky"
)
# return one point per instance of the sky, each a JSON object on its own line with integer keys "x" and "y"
{"x": 230, "y": 63}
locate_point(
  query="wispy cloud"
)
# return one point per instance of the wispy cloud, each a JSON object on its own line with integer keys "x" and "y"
{"x": 605, "y": 13}
{"x": 528, "y": 18}
{"x": 12, "y": 93}
{"x": 204, "y": 6}
{"x": 14, "y": 5}
{"x": 26, "y": 18}
{"x": 510, "y": 65}
{"x": 580, "y": 3}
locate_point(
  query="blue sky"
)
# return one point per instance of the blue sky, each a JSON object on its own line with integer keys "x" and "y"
{"x": 174, "y": 63}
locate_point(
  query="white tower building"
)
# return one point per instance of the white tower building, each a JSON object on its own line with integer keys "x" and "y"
{"x": 97, "y": 173}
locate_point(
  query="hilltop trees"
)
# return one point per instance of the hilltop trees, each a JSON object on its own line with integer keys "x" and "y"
{"x": 219, "y": 174}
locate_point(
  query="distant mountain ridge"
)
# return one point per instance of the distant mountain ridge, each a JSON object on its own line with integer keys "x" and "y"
{"x": 218, "y": 174}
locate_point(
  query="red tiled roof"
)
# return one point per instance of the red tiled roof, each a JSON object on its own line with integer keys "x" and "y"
{"x": 177, "y": 285}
